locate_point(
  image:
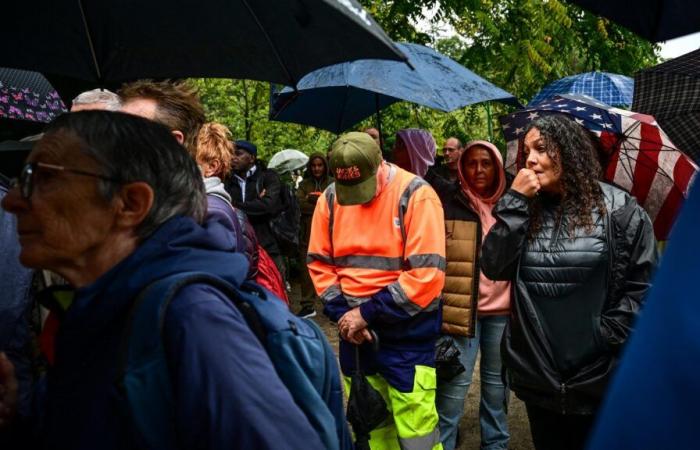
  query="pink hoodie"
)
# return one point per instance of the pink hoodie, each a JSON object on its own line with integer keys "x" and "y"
{"x": 494, "y": 296}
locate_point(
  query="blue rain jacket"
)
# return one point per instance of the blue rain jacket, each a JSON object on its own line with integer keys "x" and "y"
{"x": 227, "y": 392}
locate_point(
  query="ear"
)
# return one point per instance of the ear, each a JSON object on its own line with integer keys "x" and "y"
{"x": 133, "y": 203}
{"x": 179, "y": 136}
{"x": 214, "y": 166}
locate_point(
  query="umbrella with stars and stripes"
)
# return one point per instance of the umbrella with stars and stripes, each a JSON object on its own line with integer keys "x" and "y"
{"x": 639, "y": 157}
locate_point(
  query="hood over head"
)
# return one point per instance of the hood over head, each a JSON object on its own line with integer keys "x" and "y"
{"x": 313, "y": 156}
{"x": 420, "y": 145}
{"x": 500, "y": 180}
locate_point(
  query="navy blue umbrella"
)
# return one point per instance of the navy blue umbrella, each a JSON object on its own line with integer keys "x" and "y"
{"x": 609, "y": 88}
{"x": 337, "y": 97}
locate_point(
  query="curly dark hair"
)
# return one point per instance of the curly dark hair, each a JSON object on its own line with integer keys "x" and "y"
{"x": 573, "y": 152}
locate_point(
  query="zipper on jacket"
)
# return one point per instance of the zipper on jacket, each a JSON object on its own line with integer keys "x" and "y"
{"x": 555, "y": 233}
{"x": 562, "y": 391}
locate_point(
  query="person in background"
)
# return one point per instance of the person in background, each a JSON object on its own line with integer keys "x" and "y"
{"x": 580, "y": 254}
{"x": 414, "y": 150}
{"x": 213, "y": 156}
{"x": 475, "y": 309}
{"x": 375, "y": 135}
{"x": 256, "y": 191}
{"x": 442, "y": 177}
{"x": 15, "y": 332}
{"x": 315, "y": 181}
{"x": 173, "y": 104}
{"x": 112, "y": 203}
{"x": 452, "y": 150}
{"x": 96, "y": 99}
{"x": 377, "y": 259}
{"x": 214, "y": 153}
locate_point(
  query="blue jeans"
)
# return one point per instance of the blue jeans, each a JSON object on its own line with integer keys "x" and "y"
{"x": 494, "y": 395}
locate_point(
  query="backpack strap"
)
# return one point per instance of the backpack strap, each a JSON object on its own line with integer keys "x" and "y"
{"x": 143, "y": 377}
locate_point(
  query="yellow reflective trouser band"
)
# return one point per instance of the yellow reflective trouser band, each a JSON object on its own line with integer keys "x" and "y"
{"x": 413, "y": 421}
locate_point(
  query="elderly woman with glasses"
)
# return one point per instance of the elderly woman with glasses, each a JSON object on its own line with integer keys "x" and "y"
{"x": 113, "y": 203}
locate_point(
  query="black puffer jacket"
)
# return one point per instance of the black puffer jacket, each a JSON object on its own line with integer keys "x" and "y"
{"x": 575, "y": 296}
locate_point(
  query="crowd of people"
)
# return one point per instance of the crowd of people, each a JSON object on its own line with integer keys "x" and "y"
{"x": 538, "y": 274}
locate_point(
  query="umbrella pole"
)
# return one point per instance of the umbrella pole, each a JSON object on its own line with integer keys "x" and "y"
{"x": 90, "y": 45}
{"x": 488, "y": 118}
{"x": 379, "y": 122}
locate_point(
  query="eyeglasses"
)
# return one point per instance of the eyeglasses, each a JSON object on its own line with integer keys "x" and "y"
{"x": 25, "y": 181}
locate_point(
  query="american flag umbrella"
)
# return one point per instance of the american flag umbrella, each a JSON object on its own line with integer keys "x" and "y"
{"x": 671, "y": 93}
{"x": 639, "y": 157}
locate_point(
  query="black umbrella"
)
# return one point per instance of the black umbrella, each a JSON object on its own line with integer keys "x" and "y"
{"x": 655, "y": 20}
{"x": 111, "y": 40}
{"x": 671, "y": 93}
{"x": 12, "y": 157}
{"x": 366, "y": 407}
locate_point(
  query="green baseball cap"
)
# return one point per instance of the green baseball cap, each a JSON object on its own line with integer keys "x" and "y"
{"x": 355, "y": 158}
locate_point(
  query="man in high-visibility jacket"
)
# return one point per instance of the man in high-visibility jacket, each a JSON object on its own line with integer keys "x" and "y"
{"x": 377, "y": 260}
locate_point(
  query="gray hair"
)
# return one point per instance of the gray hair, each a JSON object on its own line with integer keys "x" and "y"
{"x": 108, "y": 98}
{"x": 129, "y": 148}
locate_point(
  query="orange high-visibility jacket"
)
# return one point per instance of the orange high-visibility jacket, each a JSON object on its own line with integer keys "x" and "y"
{"x": 396, "y": 242}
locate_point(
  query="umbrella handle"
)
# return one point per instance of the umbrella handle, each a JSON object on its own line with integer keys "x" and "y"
{"x": 375, "y": 347}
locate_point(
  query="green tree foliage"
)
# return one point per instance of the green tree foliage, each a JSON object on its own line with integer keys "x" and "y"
{"x": 519, "y": 45}
{"x": 242, "y": 105}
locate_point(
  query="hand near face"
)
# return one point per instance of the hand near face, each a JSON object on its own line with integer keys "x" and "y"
{"x": 526, "y": 183}
{"x": 8, "y": 391}
{"x": 353, "y": 328}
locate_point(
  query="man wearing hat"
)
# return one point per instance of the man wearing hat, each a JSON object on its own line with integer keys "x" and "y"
{"x": 377, "y": 260}
{"x": 256, "y": 191}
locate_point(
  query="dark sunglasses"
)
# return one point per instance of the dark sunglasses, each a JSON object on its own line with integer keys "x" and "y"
{"x": 25, "y": 181}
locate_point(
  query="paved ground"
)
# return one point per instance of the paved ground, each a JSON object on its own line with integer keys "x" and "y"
{"x": 469, "y": 427}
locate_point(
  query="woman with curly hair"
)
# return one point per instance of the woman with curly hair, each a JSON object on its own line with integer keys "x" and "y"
{"x": 580, "y": 255}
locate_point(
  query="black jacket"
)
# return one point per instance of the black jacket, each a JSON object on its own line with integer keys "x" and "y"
{"x": 259, "y": 209}
{"x": 575, "y": 297}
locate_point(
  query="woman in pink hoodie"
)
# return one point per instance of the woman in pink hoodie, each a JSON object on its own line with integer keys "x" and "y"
{"x": 475, "y": 308}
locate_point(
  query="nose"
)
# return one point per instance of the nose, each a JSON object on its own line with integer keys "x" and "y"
{"x": 531, "y": 160}
{"x": 13, "y": 201}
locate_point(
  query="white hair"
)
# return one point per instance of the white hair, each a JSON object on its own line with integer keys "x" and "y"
{"x": 111, "y": 100}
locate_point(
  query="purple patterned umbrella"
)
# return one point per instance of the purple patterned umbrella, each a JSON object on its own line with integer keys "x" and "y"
{"x": 28, "y": 96}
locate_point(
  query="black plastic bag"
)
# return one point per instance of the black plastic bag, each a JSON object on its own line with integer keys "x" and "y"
{"x": 447, "y": 364}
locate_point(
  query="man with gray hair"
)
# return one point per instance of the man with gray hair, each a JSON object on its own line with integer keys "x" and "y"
{"x": 96, "y": 99}
{"x": 114, "y": 204}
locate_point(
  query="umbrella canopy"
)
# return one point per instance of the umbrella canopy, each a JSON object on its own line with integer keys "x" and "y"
{"x": 288, "y": 160}
{"x": 640, "y": 157}
{"x": 609, "y": 88}
{"x": 110, "y": 40}
{"x": 671, "y": 93}
{"x": 26, "y": 95}
{"x": 12, "y": 157}
{"x": 27, "y": 102}
{"x": 336, "y": 98}
{"x": 655, "y": 20}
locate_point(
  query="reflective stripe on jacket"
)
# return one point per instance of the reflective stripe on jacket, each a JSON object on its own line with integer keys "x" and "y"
{"x": 396, "y": 241}
{"x": 388, "y": 258}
